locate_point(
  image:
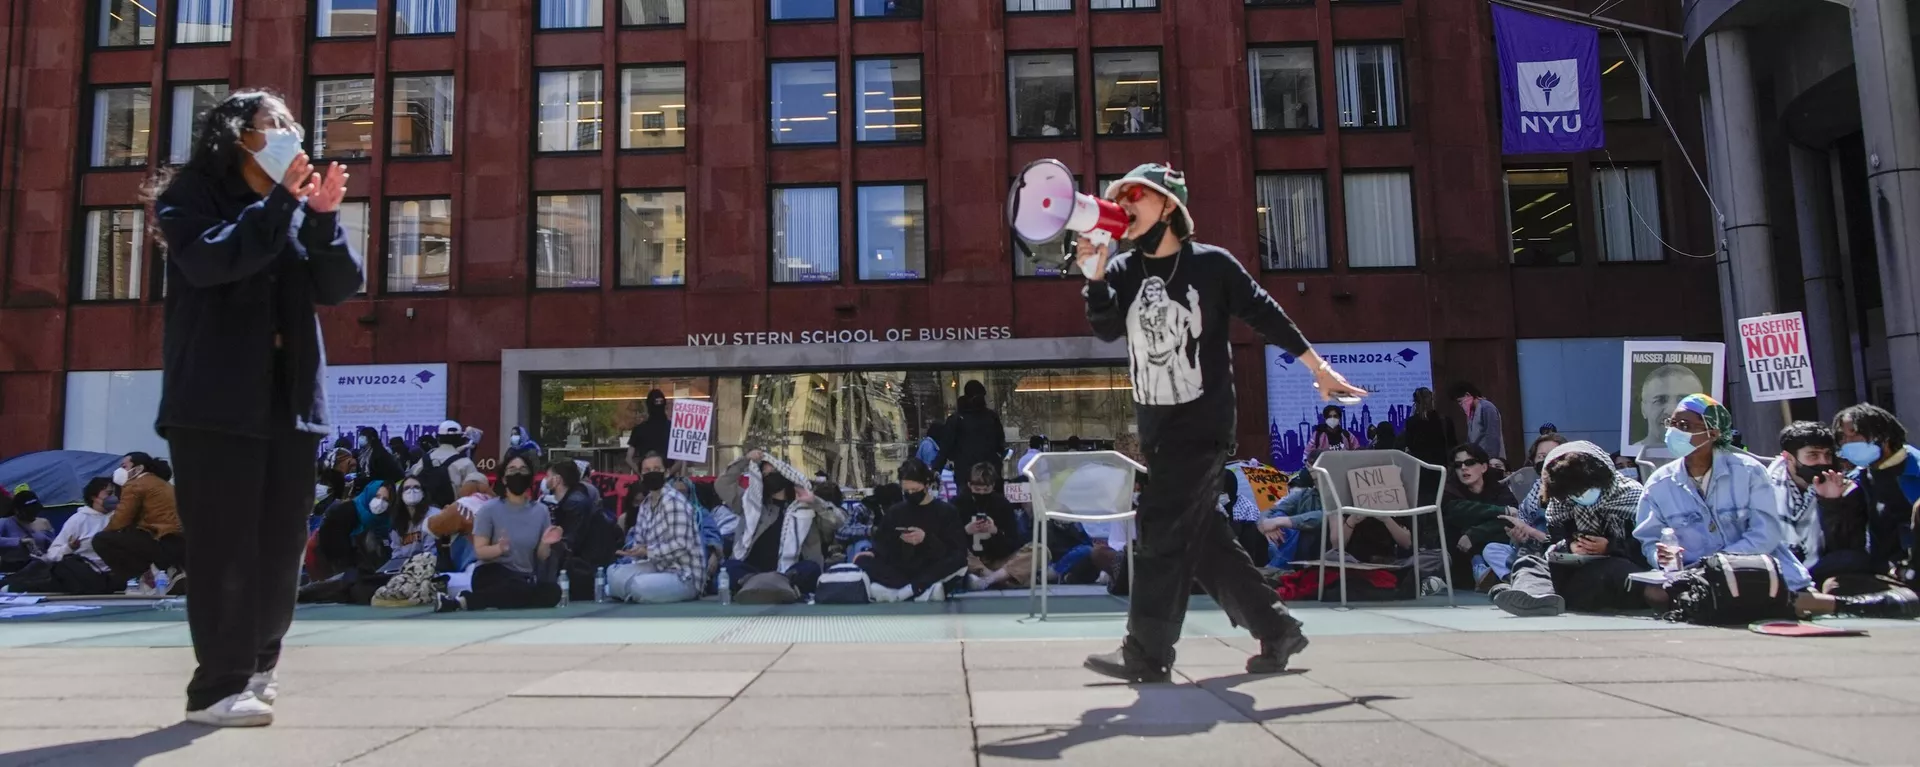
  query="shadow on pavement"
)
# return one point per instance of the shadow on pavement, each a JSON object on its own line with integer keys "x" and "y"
{"x": 1103, "y": 723}
{"x": 111, "y": 752}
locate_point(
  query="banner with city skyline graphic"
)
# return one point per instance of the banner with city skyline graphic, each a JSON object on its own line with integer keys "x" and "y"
{"x": 1389, "y": 370}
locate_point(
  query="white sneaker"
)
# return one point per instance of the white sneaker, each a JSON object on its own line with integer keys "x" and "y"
{"x": 237, "y": 710}
{"x": 937, "y": 593}
{"x": 265, "y": 686}
{"x": 881, "y": 594}
{"x": 977, "y": 583}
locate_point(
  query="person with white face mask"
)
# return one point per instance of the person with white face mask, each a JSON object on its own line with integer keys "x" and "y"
{"x": 1331, "y": 433}
{"x": 254, "y": 243}
{"x": 1582, "y": 557}
{"x": 409, "y": 536}
{"x": 144, "y": 534}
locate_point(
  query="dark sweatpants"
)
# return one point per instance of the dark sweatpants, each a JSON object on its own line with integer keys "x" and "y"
{"x": 73, "y": 574}
{"x": 243, "y": 509}
{"x": 498, "y": 587}
{"x": 1829, "y": 565}
{"x": 804, "y": 575}
{"x": 1184, "y": 538}
{"x": 1600, "y": 585}
{"x": 920, "y": 574}
{"x": 131, "y": 550}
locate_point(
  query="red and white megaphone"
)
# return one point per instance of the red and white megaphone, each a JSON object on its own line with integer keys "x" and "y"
{"x": 1043, "y": 205}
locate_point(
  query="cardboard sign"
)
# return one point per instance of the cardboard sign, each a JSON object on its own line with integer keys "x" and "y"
{"x": 1018, "y": 492}
{"x": 1377, "y": 487}
{"x": 1779, "y": 366}
{"x": 1269, "y": 486}
{"x": 692, "y": 423}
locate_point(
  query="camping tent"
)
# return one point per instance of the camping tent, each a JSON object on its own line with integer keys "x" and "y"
{"x": 57, "y": 476}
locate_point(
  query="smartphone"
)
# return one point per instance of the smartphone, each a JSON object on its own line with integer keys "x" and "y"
{"x": 1344, "y": 399}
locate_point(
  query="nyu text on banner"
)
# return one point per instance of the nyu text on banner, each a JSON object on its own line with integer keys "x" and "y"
{"x": 1549, "y": 83}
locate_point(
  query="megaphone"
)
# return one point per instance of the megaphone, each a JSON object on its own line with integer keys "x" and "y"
{"x": 1043, "y": 205}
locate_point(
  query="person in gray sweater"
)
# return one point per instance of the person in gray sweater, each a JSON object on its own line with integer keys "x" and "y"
{"x": 1483, "y": 420}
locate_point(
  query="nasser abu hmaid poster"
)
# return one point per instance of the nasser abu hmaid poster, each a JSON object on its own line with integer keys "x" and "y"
{"x": 1390, "y": 371}
{"x": 1658, "y": 375}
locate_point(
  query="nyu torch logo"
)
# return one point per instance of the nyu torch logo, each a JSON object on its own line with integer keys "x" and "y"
{"x": 1540, "y": 81}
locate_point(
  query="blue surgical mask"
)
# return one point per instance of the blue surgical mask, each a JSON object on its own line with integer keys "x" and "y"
{"x": 278, "y": 154}
{"x": 1680, "y": 443}
{"x": 1588, "y": 498}
{"x": 514, "y": 440}
{"x": 1861, "y": 454}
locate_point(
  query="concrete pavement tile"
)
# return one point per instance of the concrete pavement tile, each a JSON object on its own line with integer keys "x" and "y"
{"x": 114, "y": 712}
{"x": 1369, "y": 744}
{"x": 19, "y": 748}
{"x": 590, "y": 713}
{"x": 1015, "y": 679}
{"x": 89, "y": 685}
{"x": 1293, "y": 678}
{"x": 1506, "y": 646}
{"x": 353, "y": 659}
{"x": 857, "y": 682}
{"x": 1764, "y": 698}
{"x": 542, "y": 650}
{"x": 373, "y": 710}
{"x": 1266, "y": 699}
{"x": 625, "y": 661}
{"x": 623, "y": 747}
{"x": 1414, "y": 673}
{"x": 880, "y": 648}
{"x": 890, "y": 747}
{"x": 190, "y": 745}
{"x": 91, "y": 662}
{"x": 1191, "y": 652}
{"x": 1824, "y": 667}
{"x": 1905, "y": 688}
{"x": 1755, "y": 646}
{"x": 1108, "y": 705}
{"x": 1584, "y": 742}
{"x": 1597, "y": 670}
{"x": 403, "y": 684}
{"x": 937, "y": 711}
{"x": 1868, "y": 739}
{"x": 850, "y": 657}
{"x": 712, "y": 648}
{"x": 640, "y": 684}
{"x": 1217, "y": 745}
{"x": 467, "y": 664}
{"x": 1500, "y": 701}
{"x": 1394, "y": 649}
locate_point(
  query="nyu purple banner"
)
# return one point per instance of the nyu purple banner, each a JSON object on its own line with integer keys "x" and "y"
{"x": 1549, "y": 83}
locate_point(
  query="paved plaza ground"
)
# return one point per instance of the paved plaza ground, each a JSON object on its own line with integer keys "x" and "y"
{"x": 963, "y": 683}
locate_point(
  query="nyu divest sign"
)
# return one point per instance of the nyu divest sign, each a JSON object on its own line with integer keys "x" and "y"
{"x": 1549, "y": 83}
{"x": 398, "y": 400}
{"x": 1388, "y": 371}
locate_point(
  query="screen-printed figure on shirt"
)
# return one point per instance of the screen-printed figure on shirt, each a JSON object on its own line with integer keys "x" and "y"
{"x": 1163, "y": 338}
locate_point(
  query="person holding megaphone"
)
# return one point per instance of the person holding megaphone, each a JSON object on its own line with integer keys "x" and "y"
{"x": 1172, "y": 298}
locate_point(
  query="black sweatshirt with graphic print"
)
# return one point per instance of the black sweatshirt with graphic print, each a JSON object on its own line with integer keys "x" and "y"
{"x": 1174, "y": 314}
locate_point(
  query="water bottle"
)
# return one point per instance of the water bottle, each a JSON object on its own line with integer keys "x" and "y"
{"x": 133, "y": 585}
{"x": 726, "y": 588}
{"x": 1671, "y": 541}
{"x": 160, "y": 581}
{"x": 566, "y": 590}
{"x": 600, "y": 585}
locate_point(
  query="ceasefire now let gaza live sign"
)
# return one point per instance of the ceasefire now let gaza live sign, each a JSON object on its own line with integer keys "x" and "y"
{"x": 1778, "y": 364}
{"x": 692, "y": 422}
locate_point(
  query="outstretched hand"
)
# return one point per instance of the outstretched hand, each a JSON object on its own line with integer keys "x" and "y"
{"x": 328, "y": 190}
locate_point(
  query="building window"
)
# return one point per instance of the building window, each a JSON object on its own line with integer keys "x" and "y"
{"x": 120, "y": 126}
{"x": 1286, "y": 89}
{"x": 1117, "y": 5}
{"x": 419, "y": 245}
{"x": 1030, "y": 6}
{"x": 126, "y": 23}
{"x": 637, "y": 13}
{"x": 570, "y": 111}
{"x": 202, "y": 21}
{"x": 1291, "y": 210}
{"x": 1622, "y": 94}
{"x": 889, "y": 100}
{"x": 881, "y": 9}
{"x": 1042, "y": 93}
{"x": 653, "y": 238}
{"x": 893, "y": 232}
{"x": 343, "y": 118}
{"x": 1368, "y": 78}
{"x": 800, "y": 10}
{"x": 566, "y": 241}
{"x": 346, "y": 18}
{"x": 806, "y": 234}
{"x": 423, "y": 17}
{"x": 115, "y": 259}
{"x": 804, "y": 110}
{"x": 422, "y": 116}
{"x": 190, "y": 106}
{"x": 1626, "y": 204}
{"x": 655, "y": 113}
{"x": 1540, "y": 217}
{"x": 1126, "y": 92}
{"x": 353, "y": 218}
{"x": 1379, "y": 219}
{"x": 570, "y": 14}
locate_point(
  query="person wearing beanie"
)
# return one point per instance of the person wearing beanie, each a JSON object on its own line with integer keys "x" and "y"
{"x": 1173, "y": 299}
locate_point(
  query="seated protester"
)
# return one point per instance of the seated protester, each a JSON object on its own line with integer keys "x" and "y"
{"x": 1717, "y": 498}
{"x": 1243, "y": 516}
{"x": 375, "y": 460}
{"x": 722, "y": 517}
{"x": 405, "y": 455}
{"x": 1369, "y": 540}
{"x": 410, "y": 536}
{"x": 1589, "y": 545}
{"x": 1473, "y": 504}
{"x": 1331, "y": 433}
{"x": 144, "y": 531}
{"x": 1887, "y": 487}
{"x": 70, "y": 565}
{"x": 590, "y": 536}
{"x": 24, "y": 534}
{"x": 353, "y": 544}
{"x": 452, "y": 530}
{"x": 856, "y": 534}
{"x": 997, "y": 555}
{"x": 332, "y": 484}
{"x": 448, "y": 464}
{"x": 1300, "y": 512}
{"x": 783, "y": 527}
{"x": 1831, "y": 544}
{"x": 915, "y": 545}
{"x": 1522, "y": 480}
{"x": 519, "y": 547}
{"x": 521, "y": 445}
{"x": 667, "y": 561}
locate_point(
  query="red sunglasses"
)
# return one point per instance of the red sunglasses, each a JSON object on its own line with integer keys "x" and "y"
{"x": 1131, "y": 193}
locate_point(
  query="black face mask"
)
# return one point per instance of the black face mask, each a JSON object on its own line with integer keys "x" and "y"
{"x": 1149, "y": 240}
{"x": 915, "y": 499}
{"x": 1808, "y": 471}
{"x": 518, "y": 484}
{"x": 652, "y": 481}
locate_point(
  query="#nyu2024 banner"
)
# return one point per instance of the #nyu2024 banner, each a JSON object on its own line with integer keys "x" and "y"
{"x": 1549, "y": 83}
{"x": 1389, "y": 371}
{"x": 403, "y": 401}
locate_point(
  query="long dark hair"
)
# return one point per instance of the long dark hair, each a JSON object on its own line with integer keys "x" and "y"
{"x": 217, "y": 148}
{"x": 404, "y": 515}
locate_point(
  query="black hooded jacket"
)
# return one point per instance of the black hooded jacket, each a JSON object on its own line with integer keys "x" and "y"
{"x": 650, "y": 436}
{"x": 974, "y": 436}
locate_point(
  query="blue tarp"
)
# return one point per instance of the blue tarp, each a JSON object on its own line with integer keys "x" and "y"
{"x": 57, "y": 476}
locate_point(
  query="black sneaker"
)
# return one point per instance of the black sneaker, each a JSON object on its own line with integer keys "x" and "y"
{"x": 1274, "y": 653}
{"x": 1893, "y": 603}
{"x": 1518, "y": 602}
{"x": 447, "y": 604}
{"x": 1119, "y": 665}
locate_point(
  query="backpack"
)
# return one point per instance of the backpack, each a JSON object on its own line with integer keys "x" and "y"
{"x": 1731, "y": 589}
{"x": 437, "y": 481}
{"x": 842, "y": 584}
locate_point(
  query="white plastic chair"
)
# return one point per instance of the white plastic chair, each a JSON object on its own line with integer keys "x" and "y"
{"x": 1077, "y": 487}
{"x": 1330, "y": 478}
